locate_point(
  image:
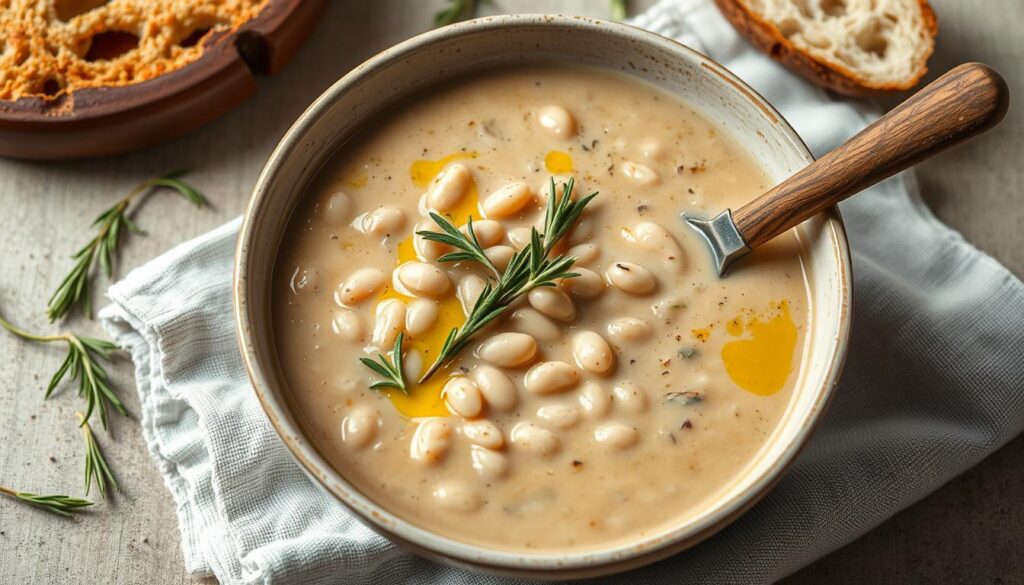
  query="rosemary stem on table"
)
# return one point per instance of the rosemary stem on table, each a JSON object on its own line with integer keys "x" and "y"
{"x": 74, "y": 288}
{"x": 55, "y": 504}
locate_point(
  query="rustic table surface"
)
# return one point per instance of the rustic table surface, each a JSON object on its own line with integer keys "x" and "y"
{"x": 971, "y": 530}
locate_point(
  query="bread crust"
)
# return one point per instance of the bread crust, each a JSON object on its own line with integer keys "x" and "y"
{"x": 767, "y": 37}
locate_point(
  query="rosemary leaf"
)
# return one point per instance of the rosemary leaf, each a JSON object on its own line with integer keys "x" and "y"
{"x": 82, "y": 364}
{"x": 528, "y": 269}
{"x": 470, "y": 246}
{"x": 96, "y": 469}
{"x": 619, "y": 9}
{"x": 390, "y": 371}
{"x": 73, "y": 290}
{"x": 455, "y": 11}
{"x": 55, "y": 504}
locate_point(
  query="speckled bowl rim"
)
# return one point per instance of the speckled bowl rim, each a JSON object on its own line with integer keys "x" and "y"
{"x": 569, "y": 564}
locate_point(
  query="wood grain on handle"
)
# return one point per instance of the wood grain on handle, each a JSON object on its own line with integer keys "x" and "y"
{"x": 966, "y": 101}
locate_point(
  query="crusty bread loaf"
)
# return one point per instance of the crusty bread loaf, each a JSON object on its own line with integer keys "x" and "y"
{"x": 51, "y": 47}
{"x": 854, "y": 47}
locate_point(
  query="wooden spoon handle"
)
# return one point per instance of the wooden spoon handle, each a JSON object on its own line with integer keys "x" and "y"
{"x": 966, "y": 101}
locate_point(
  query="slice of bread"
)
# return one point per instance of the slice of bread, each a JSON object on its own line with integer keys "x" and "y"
{"x": 853, "y": 47}
{"x": 53, "y": 47}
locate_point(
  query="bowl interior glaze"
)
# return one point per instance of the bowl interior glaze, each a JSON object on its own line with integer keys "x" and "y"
{"x": 484, "y": 43}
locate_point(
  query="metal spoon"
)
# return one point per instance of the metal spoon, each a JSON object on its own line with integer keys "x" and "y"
{"x": 964, "y": 102}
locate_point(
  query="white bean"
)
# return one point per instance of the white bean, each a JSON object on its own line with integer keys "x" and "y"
{"x": 449, "y": 187}
{"x": 584, "y": 253}
{"x": 508, "y": 350}
{"x": 359, "y": 427}
{"x": 557, "y": 120}
{"x": 489, "y": 464}
{"x": 592, "y": 352}
{"x": 347, "y": 325}
{"x": 655, "y": 241}
{"x": 497, "y": 389}
{"x": 469, "y": 291}
{"x": 595, "y": 400}
{"x": 462, "y": 397}
{"x": 582, "y": 231}
{"x": 617, "y": 435}
{"x": 534, "y": 323}
{"x": 553, "y": 302}
{"x": 507, "y": 201}
{"x": 587, "y": 285}
{"x": 383, "y": 221}
{"x": 544, "y": 193}
{"x": 519, "y": 237}
{"x": 430, "y": 441}
{"x": 420, "y": 315}
{"x": 639, "y": 174}
{"x": 534, "y": 438}
{"x": 488, "y": 232}
{"x": 625, "y": 330}
{"x": 389, "y": 323}
{"x": 428, "y": 250}
{"x": 632, "y": 278}
{"x": 412, "y": 364}
{"x": 359, "y": 286}
{"x": 484, "y": 433}
{"x": 551, "y": 377}
{"x": 423, "y": 280}
{"x": 631, "y": 398}
{"x": 455, "y": 496}
{"x": 560, "y": 416}
{"x": 337, "y": 211}
{"x": 500, "y": 255}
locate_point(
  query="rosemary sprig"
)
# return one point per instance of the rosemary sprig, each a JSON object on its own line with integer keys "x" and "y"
{"x": 454, "y": 12}
{"x": 55, "y": 504}
{"x": 74, "y": 289}
{"x": 619, "y": 9}
{"x": 390, "y": 371}
{"x": 81, "y": 363}
{"x": 528, "y": 269}
{"x": 470, "y": 246}
{"x": 96, "y": 469}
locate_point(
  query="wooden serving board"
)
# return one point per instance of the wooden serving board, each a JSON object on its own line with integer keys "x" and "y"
{"x": 103, "y": 121}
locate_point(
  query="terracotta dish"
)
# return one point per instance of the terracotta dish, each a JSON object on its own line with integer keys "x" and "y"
{"x": 102, "y": 121}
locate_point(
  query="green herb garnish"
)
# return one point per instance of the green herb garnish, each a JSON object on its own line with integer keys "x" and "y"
{"x": 74, "y": 289}
{"x": 81, "y": 363}
{"x": 96, "y": 469}
{"x": 528, "y": 269}
{"x": 391, "y": 371}
{"x": 55, "y": 504}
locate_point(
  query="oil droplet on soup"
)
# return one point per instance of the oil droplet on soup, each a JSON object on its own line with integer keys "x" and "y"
{"x": 558, "y": 162}
{"x": 425, "y": 399}
{"x": 761, "y": 363}
{"x": 422, "y": 172}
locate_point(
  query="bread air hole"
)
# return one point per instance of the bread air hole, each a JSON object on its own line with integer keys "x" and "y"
{"x": 110, "y": 44}
{"x": 789, "y": 27}
{"x": 68, "y": 9}
{"x": 194, "y": 37}
{"x": 51, "y": 87}
{"x": 833, "y": 7}
{"x": 871, "y": 39}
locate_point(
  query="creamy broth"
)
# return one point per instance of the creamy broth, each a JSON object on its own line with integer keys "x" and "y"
{"x": 608, "y": 408}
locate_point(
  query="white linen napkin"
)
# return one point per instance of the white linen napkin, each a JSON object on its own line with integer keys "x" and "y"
{"x": 932, "y": 385}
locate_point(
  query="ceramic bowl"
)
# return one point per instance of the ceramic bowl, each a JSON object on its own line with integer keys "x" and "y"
{"x": 487, "y": 43}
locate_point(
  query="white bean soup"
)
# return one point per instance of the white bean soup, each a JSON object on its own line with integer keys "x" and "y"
{"x": 610, "y": 406}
